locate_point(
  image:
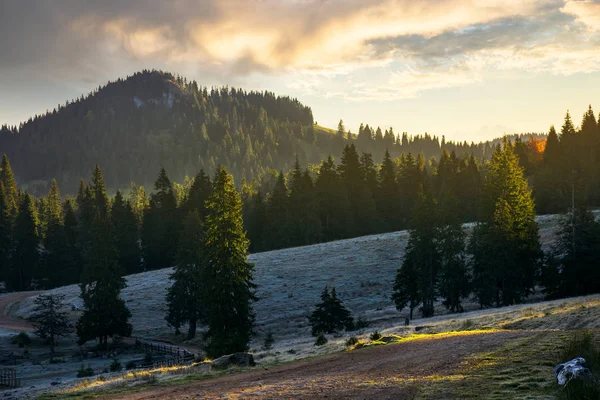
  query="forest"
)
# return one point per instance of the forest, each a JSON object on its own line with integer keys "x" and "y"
{"x": 153, "y": 119}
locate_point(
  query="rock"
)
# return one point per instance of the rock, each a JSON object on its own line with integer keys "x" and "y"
{"x": 237, "y": 359}
{"x": 574, "y": 369}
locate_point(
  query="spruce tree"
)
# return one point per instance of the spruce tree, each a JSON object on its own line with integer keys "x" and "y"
{"x": 49, "y": 320}
{"x": 184, "y": 297}
{"x": 126, "y": 235}
{"x": 229, "y": 293}
{"x": 73, "y": 259}
{"x": 573, "y": 266}
{"x": 387, "y": 193}
{"x": 333, "y": 206}
{"x": 279, "y": 229}
{"x": 6, "y": 244}
{"x": 505, "y": 245}
{"x": 10, "y": 186}
{"x": 160, "y": 228}
{"x": 55, "y": 256}
{"x": 330, "y": 315}
{"x": 26, "y": 257}
{"x": 104, "y": 312}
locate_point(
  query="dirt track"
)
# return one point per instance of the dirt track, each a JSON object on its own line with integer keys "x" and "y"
{"x": 380, "y": 372}
{"x": 9, "y": 322}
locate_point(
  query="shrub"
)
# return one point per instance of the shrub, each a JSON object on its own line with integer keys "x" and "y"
{"x": 361, "y": 323}
{"x": 321, "y": 340}
{"x": 85, "y": 371}
{"x": 375, "y": 336}
{"x": 269, "y": 340}
{"x": 130, "y": 365}
{"x": 115, "y": 366}
{"x": 22, "y": 339}
{"x": 351, "y": 341}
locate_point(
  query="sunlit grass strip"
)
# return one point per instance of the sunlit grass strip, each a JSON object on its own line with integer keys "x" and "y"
{"x": 390, "y": 339}
{"x": 398, "y": 381}
{"x": 129, "y": 376}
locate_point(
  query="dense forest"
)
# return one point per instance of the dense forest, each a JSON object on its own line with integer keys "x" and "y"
{"x": 135, "y": 126}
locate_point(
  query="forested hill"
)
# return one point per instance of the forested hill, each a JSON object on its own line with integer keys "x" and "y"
{"x": 153, "y": 119}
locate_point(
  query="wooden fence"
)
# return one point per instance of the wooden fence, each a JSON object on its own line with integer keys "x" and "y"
{"x": 164, "y": 349}
{"x": 8, "y": 377}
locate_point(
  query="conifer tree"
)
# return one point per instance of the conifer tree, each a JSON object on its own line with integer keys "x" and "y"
{"x": 6, "y": 244}
{"x": 55, "y": 254}
{"x": 229, "y": 276}
{"x": 85, "y": 218}
{"x": 105, "y": 314}
{"x": 10, "y": 186}
{"x": 256, "y": 221}
{"x": 279, "y": 221}
{"x": 330, "y": 315}
{"x": 505, "y": 245}
{"x": 573, "y": 266}
{"x": 126, "y": 235}
{"x": 25, "y": 260}
{"x": 73, "y": 259}
{"x": 200, "y": 191}
{"x": 332, "y": 201}
{"x": 49, "y": 319}
{"x": 387, "y": 193}
{"x": 184, "y": 297}
{"x": 160, "y": 228}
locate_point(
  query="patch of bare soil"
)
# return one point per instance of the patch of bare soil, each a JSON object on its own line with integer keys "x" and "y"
{"x": 387, "y": 372}
{"x": 9, "y": 301}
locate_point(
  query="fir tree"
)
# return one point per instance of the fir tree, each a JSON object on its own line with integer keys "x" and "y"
{"x": 55, "y": 255}
{"x": 279, "y": 222}
{"x": 49, "y": 320}
{"x": 6, "y": 244}
{"x": 126, "y": 235}
{"x": 332, "y": 202}
{"x": 330, "y": 315}
{"x": 105, "y": 314}
{"x": 25, "y": 260}
{"x": 184, "y": 297}
{"x": 505, "y": 245}
{"x": 10, "y": 186}
{"x": 229, "y": 276}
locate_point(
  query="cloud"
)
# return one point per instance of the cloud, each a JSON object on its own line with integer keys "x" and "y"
{"x": 412, "y": 45}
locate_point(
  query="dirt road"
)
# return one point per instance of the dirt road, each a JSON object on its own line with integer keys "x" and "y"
{"x": 387, "y": 372}
{"x": 6, "y": 320}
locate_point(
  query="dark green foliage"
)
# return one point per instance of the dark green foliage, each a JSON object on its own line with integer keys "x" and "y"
{"x": 115, "y": 365}
{"x": 6, "y": 244}
{"x": 332, "y": 201}
{"x": 361, "y": 323}
{"x": 279, "y": 222}
{"x": 21, "y": 340}
{"x": 49, "y": 319}
{"x": 268, "y": 342}
{"x": 351, "y": 341}
{"x": 105, "y": 314}
{"x": 85, "y": 372}
{"x": 228, "y": 278}
{"x": 184, "y": 297}
{"x": 375, "y": 335}
{"x": 330, "y": 315}
{"x": 321, "y": 339}
{"x": 26, "y": 257}
{"x": 126, "y": 234}
{"x": 572, "y": 268}
{"x": 505, "y": 245}
{"x": 10, "y": 186}
{"x": 160, "y": 228}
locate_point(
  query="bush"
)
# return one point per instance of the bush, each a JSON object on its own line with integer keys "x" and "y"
{"x": 85, "y": 371}
{"x": 269, "y": 340}
{"x": 351, "y": 341}
{"x": 582, "y": 345}
{"x": 321, "y": 340}
{"x": 115, "y": 366}
{"x": 130, "y": 365}
{"x": 361, "y": 323}
{"x": 22, "y": 339}
{"x": 375, "y": 336}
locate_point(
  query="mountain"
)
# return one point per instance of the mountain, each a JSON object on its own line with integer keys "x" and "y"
{"x": 132, "y": 127}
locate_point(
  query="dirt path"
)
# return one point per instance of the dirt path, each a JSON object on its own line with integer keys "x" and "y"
{"x": 6, "y": 303}
{"x": 386, "y": 372}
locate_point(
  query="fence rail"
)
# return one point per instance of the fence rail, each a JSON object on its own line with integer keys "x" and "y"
{"x": 163, "y": 348}
{"x": 8, "y": 377}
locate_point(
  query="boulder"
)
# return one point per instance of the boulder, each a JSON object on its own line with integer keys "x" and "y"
{"x": 574, "y": 369}
{"x": 235, "y": 359}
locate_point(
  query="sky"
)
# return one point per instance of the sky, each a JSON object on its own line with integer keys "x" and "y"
{"x": 467, "y": 69}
